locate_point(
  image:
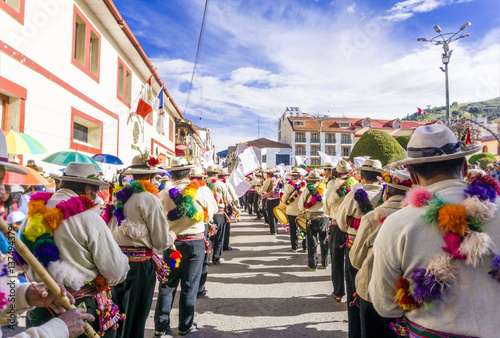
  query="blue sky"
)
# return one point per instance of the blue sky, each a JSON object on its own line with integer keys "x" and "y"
{"x": 337, "y": 57}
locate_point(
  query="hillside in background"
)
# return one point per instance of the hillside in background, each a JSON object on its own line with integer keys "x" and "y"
{"x": 489, "y": 109}
{"x": 222, "y": 153}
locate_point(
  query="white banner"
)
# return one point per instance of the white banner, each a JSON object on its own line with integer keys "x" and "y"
{"x": 358, "y": 161}
{"x": 247, "y": 162}
{"x": 240, "y": 184}
{"x": 328, "y": 158}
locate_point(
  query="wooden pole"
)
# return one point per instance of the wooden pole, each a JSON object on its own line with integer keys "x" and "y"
{"x": 38, "y": 268}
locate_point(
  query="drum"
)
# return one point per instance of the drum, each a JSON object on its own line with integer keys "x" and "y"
{"x": 301, "y": 222}
{"x": 280, "y": 213}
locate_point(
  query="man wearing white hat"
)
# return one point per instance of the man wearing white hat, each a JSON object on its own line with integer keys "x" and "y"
{"x": 271, "y": 190}
{"x": 69, "y": 322}
{"x": 222, "y": 198}
{"x": 138, "y": 225}
{"x": 362, "y": 199}
{"x": 337, "y": 189}
{"x": 188, "y": 205}
{"x": 361, "y": 255}
{"x": 233, "y": 206}
{"x": 311, "y": 202}
{"x": 437, "y": 261}
{"x": 74, "y": 244}
{"x": 291, "y": 193}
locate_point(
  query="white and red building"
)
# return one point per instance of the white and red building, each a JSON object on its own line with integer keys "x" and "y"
{"x": 70, "y": 75}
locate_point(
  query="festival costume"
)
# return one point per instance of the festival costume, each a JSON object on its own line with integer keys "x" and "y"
{"x": 222, "y": 197}
{"x": 470, "y": 300}
{"x": 138, "y": 227}
{"x": 191, "y": 245}
{"x": 291, "y": 194}
{"x": 317, "y": 225}
{"x": 348, "y": 218}
{"x": 334, "y": 196}
{"x": 85, "y": 249}
{"x": 361, "y": 257}
{"x": 271, "y": 194}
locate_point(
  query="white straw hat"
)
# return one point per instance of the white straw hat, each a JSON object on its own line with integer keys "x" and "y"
{"x": 434, "y": 143}
{"x": 84, "y": 173}
{"x": 371, "y": 165}
{"x": 399, "y": 179}
{"x": 140, "y": 165}
{"x": 180, "y": 163}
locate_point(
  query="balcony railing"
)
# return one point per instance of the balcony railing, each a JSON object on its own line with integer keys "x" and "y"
{"x": 300, "y": 153}
{"x": 300, "y": 139}
{"x": 330, "y": 140}
{"x": 346, "y": 141}
{"x": 314, "y": 140}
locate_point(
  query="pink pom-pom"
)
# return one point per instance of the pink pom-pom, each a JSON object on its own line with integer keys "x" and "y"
{"x": 453, "y": 244}
{"x": 313, "y": 200}
{"x": 418, "y": 197}
{"x": 45, "y": 196}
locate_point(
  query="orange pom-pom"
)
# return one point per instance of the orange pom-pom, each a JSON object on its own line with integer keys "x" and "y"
{"x": 52, "y": 218}
{"x": 148, "y": 186}
{"x": 36, "y": 206}
{"x": 100, "y": 284}
{"x": 452, "y": 218}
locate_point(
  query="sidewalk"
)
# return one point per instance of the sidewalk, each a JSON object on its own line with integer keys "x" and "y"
{"x": 263, "y": 290}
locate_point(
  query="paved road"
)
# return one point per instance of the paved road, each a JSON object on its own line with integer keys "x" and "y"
{"x": 263, "y": 290}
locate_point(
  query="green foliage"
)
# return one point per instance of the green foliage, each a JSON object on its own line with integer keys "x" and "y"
{"x": 477, "y": 157}
{"x": 378, "y": 145}
{"x": 403, "y": 140}
{"x": 483, "y": 162}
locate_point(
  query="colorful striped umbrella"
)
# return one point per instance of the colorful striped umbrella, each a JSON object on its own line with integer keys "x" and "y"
{"x": 65, "y": 157}
{"x": 33, "y": 177}
{"x": 20, "y": 143}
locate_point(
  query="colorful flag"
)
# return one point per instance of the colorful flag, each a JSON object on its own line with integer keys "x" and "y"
{"x": 158, "y": 106}
{"x": 420, "y": 111}
{"x": 146, "y": 100}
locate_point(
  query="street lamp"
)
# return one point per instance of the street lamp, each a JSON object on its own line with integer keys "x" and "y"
{"x": 444, "y": 39}
{"x": 320, "y": 120}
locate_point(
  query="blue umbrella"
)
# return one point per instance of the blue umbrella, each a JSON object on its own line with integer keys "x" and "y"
{"x": 108, "y": 159}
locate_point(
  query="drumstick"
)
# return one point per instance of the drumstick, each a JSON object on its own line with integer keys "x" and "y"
{"x": 47, "y": 279}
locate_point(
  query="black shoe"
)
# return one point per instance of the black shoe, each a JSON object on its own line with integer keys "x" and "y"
{"x": 202, "y": 294}
{"x": 227, "y": 248}
{"x": 192, "y": 328}
{"x": 163, "y": 333}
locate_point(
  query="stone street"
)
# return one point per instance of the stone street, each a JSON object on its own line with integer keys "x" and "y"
{"x": 263, "y": 290}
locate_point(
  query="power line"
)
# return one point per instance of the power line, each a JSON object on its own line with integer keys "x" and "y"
{"x": 197, "y": 55}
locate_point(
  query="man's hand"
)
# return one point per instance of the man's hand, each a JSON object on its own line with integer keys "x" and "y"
{"x": 75, "y": 321}
{"x": 50, "y": 299}
{"x": 173, "y": 235}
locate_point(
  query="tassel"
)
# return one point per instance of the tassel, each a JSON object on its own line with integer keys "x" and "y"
{"x": 175, "y": 259}
{"x": 162, "y": 269}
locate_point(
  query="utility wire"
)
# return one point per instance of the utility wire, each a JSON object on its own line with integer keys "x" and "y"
{"x": 197, "y": 55}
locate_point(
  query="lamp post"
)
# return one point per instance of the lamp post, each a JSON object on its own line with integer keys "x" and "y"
{"x": 444, "y": 39}
{"x": 320, "y": 120}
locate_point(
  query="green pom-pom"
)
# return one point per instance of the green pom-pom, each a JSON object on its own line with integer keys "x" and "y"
{"x": 431, "y": 213}
{"x": 474, "y": 224}
{"x": 26, "y": 241}
{"x": 136, "y": 187}
{"x": 350, "y": 181}
{"x": 119, "y": 205}
{"x": 183, "y": 206}
{"x": 192, "y": 211}
{"x": 45, "y": 238}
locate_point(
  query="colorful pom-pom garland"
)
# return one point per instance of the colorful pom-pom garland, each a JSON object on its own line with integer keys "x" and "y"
{"x": 184, "y": 203}
{"x": 297, "y": 192}
{"x": 123, "y": 194}
{"x": 345, "y": 188}
{"x": 316, "y": 194}
{"x": 464, "y": 238}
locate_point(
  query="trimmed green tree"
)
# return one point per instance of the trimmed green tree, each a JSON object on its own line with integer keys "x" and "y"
{"x": 378, "y": 145}
{"x": 477, "y": 157}
{"x": 403, "y": 140}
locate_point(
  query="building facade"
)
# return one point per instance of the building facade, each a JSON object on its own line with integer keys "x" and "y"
{"x": 335, "y": 136}
{"x": 70, "y": 76}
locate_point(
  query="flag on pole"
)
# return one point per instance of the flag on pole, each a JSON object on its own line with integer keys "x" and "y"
{"x": 420, "y": 111}
{"x": 208, "y": 158}
{"x": 146, "y": 100}
{"x": 158, "y": 107}
{"x": 328, "y": 158}
{"x": 239, "y": 183}
{"x": 247, "y": 162}
{"x": 299, "y": 160}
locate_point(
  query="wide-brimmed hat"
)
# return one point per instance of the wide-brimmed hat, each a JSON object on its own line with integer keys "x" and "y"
{"x": 179, "y": 163}
{"x": 197, "y": 172}
{"x": 212, "y": 169}
{"x": 399, "y": 179}
{"x": 328, "y": 165}
{"x": 434, "y": 143}
{"x": 84, "y": 173}
{"x": 4, "y": 158}
{"x": 143, "y": 164}
{"x": 295, "y": 172}
{"x": 16, "y": 217}
{"x": 343, "y": 167}
{"x": 313, "y": 176}
{"x": 371, "y": 165}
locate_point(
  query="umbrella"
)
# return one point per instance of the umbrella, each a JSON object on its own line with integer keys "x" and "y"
{"x": 65, "y": 157}
{"x": 20, "y": 143}
{"x": 33, "y": 177}
{"x": 108, "y": 159}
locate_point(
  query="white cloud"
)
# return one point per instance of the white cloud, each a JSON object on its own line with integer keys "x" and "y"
{"x": 407, "y": 8}
{"x": 351, "y": 9}
{"x": 319, "y": 62}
